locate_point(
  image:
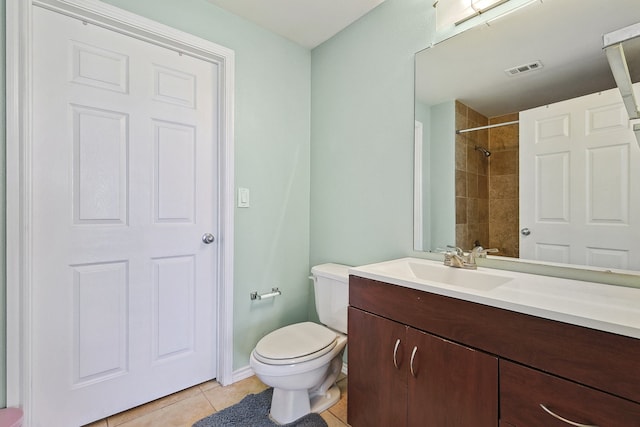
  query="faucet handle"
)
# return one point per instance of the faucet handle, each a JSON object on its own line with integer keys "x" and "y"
{"x": 459, "y": 251}
{"x": 452, "y": 259}
{"x": 480, "y": 252}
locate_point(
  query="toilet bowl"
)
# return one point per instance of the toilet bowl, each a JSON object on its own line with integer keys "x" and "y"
{"x": 303, "y": 383}
{"x": 303, "y": 361}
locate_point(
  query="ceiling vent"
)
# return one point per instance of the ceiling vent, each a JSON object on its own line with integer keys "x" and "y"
{"x": 520, "y": 69}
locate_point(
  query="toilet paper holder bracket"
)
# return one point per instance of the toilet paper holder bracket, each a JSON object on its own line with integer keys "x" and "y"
{"x": 274, "y": 293}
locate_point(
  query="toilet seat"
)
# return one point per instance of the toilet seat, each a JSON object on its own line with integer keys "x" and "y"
{"x": 295, "y": 343}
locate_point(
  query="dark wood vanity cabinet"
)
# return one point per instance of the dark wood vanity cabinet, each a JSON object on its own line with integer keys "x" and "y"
{"x": 412, "y": 378}
{"x": 476, "y": 365}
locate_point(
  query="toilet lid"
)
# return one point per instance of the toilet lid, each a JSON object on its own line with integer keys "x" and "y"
{"x": 295, "y": 343}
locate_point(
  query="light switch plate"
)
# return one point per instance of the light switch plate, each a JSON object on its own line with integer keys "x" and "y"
{"x": 243, "y": 198}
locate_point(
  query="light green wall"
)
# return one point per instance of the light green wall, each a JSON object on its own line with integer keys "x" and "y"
{"x": 423, "y": 115}
{"x": 439, "y": 209}
{"x": 442, "y": 167}
{"x": 362, "y": 135}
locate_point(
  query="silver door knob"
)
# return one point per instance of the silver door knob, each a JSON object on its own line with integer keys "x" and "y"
{"x": 525, "y": 231}
{"x": 208, "y": 238}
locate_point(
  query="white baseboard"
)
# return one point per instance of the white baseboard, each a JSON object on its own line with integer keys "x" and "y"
{"x": 241, "y": 374}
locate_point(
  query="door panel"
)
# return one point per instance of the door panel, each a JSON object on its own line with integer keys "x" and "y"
{"x": 124, "y": 187}
{"x": 380, "y": 396}
{"x": 450, "y": 385}
{"x": 577, "y": 162}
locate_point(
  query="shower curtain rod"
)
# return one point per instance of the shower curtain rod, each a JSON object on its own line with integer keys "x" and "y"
{"x": 487, "y": 127}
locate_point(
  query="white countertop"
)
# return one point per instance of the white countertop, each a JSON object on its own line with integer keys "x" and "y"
{"x": 603, "y": 307}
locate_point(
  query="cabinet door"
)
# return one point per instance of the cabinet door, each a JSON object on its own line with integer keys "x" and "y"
{"x": 377, "y": 384}
{"x": 450, "y": 385}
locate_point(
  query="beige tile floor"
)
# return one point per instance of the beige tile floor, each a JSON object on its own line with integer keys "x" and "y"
{"x": 185, "y": 407}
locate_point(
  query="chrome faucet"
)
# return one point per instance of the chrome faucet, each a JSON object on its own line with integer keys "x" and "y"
{"x": 458, "y": 258}
{"x": 467, "y": 260}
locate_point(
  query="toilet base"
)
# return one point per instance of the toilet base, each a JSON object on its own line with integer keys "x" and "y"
{"x": 323, "y": 402}
{"x": 290, "y": 405}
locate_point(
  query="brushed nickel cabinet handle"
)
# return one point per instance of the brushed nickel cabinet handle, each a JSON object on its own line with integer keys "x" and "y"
{"x": 573, "y": 423}
{"x": 395, "y": 353}
{"x": 413, "y": 356}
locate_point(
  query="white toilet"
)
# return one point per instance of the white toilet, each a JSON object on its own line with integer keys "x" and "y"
{"x": 302, "y": 361}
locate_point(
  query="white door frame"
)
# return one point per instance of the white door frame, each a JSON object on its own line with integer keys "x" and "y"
{"x": 19, "y": 237}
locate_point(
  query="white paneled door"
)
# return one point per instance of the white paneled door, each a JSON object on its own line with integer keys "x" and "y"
{"x": 579, "y": 162}
{"x": 124, "y": 175}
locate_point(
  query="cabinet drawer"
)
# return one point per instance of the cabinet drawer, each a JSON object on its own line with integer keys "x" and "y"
{"x": 524, "y": 390}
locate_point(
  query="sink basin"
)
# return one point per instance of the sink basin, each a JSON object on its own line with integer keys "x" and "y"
{"x": 435, "y": 273}
{"x": 456, "y": 276}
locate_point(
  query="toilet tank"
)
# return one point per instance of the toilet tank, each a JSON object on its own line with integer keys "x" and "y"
{"x": 331, "y": 287}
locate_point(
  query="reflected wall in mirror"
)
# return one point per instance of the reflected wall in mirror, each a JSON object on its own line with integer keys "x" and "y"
{"x": 473, "y": 181}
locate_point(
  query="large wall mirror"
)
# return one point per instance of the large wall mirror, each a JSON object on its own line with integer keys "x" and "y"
{"x": 488, "y": 100}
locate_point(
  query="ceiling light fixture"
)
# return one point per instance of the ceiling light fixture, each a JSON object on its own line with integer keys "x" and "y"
{"x": 478, "y": 7}
{"x": 455, "y": 12}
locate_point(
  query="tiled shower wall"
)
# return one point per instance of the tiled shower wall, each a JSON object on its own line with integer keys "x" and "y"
{"x": 504, "y": 186}
{"x": 487, "y": 187}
